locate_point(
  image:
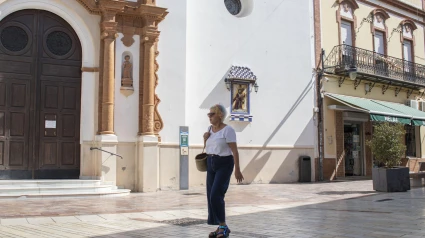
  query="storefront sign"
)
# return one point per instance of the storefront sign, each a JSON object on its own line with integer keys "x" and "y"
{"x": 392, "y": 119}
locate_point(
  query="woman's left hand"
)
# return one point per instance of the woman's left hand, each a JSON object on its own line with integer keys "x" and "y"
{"x": 238, "y": 175}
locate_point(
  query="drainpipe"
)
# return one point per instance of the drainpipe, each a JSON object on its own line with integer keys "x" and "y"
{"x": 320, "y": 116}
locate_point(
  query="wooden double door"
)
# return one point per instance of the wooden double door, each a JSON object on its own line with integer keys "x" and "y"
{"x": 40, "y": 97}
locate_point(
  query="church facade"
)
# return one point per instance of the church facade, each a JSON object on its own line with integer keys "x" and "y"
{"x": 119, "y": 90}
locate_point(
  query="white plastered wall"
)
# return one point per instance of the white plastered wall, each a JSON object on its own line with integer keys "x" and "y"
{"x": 274, "y": 39}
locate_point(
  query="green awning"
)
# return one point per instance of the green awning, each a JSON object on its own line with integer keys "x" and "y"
{"x": 418, "y": 117}
{"x": 418, "y": 122}
{"x": 374, "y": 117}
{"x": 378, "y": 111}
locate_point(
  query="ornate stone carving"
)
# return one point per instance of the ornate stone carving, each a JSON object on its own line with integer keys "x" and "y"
{"x": 379, "y": 18}
{"x": 128, "y": 31}
{"x": 407, "y": 28}
{"x": 346, "y": 6}
{"x": 158, "y": 120}
{"x": 149, "y": 37}
{"x": 127, "y": 77}
{"x": 142, "y": 18}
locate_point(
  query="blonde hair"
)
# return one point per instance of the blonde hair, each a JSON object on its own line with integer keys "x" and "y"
{"x": 220, "y": 110}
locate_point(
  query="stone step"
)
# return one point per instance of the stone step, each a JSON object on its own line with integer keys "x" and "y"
{"x": 56, "y": 190}
{"x": 49, "y": 183}
{"x": 14, "y": 189}
{"x": 115, "y": 193}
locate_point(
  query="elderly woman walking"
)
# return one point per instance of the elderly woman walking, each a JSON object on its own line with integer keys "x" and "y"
{"x": 223, "y": 156}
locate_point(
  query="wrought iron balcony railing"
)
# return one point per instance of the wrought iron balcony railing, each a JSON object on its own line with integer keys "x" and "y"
{"x": 372, "y": 64}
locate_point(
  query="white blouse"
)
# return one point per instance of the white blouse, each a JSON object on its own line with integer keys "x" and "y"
{"x": 217, "y": 142}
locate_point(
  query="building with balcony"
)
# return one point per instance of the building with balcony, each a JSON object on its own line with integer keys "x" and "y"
{"x": 372, "y": 70}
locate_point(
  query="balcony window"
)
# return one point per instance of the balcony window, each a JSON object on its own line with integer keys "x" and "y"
{"x": 379, "y": 47}
{"x": 347, "y": 33}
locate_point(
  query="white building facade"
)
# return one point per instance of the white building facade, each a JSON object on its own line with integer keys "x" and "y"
{"x": 128, "y": 86}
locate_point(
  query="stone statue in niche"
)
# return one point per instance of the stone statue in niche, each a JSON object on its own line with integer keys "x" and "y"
{"x": 127, "y": 77}
{"x": 127, "y": 69}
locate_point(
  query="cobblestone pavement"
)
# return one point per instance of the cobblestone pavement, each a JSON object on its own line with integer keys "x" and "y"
{"x": 336, "y": 209}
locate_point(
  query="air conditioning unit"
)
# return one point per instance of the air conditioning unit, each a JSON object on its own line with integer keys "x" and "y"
{"x": 422, "y": 106}
{"x": 413, "y": 103}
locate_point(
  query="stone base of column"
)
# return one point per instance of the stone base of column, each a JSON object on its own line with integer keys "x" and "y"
{"x": 105, "y": 163}
{"x": 89, "y": 168}
{"x": 147, "y": 164}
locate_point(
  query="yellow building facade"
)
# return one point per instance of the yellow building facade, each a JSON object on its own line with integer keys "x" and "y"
{"x": 372, "y": 69}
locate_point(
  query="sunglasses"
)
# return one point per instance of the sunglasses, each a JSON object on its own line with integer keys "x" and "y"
{"x": 211, "y": 114}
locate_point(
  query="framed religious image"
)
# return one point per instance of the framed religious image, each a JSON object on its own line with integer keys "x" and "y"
{"x": 239, "y": 98}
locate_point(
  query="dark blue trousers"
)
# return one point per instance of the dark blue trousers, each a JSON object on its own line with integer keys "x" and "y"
{"x": 219, "y": 171}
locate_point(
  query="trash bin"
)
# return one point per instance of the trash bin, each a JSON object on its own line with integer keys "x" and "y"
{"x": 305, "y": 169}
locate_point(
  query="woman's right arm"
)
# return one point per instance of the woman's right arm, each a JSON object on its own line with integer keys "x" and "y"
{"x": 206, "y": 136}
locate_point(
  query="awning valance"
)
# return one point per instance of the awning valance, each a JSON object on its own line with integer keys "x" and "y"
{"x": 382, "y": 110}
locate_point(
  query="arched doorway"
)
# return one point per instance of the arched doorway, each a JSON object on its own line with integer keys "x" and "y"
{"x": 40, "y": 88}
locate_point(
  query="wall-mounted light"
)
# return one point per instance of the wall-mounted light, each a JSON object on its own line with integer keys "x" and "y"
{"x": 256, "y": 87}
{"x": 227, "y": 83}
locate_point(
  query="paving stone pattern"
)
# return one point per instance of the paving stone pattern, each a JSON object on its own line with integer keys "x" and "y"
{"x": 336, "y": 209}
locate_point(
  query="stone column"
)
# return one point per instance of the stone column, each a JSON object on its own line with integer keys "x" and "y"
{"x": 150, "y": 37}
{"x": 148, "y": 157}
{"x": 106, "y": 165}
{"x": 109, "y": 34}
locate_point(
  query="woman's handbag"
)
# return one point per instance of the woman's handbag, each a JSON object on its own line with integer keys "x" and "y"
{"x": 201, "y": 159}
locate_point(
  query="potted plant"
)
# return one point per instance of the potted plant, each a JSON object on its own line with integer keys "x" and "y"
{"x": 387, "y": 148}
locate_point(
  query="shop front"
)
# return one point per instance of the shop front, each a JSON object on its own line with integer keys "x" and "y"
{"x": 354, "y": 121}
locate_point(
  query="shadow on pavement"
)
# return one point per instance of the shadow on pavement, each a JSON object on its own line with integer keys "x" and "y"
{"x": 369, "y": 215}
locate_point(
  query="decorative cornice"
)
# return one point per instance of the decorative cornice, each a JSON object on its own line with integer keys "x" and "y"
{"x": 124, "y": 8}
{"x": 400, "y": 5}
{"x": 382, "y": 12}
{"x": 410, "y": 22}
{"x": 352, "y": 2}
{"x": 112, "y": 5}
{"x": 419, "y": 12}
{"x": 404, "y": 6}
{"x": 90, "y": 5}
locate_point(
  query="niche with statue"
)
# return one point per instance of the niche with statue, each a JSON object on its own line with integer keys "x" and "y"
{"x": 127, "y": 74}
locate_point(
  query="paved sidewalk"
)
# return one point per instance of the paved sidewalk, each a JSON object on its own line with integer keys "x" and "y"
{"x": 337, "y": 209}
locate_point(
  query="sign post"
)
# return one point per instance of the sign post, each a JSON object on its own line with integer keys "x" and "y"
{"x": 184, "y": 157}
